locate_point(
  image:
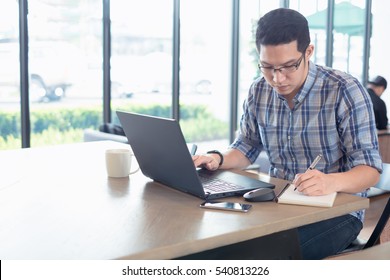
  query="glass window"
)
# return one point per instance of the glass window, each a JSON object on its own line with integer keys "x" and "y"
{"x": 65, "y": 55}
{"x": 9, "y": 76}
{"x": 380, "y": 41}
{"x": 65, "y": 61}
{"x": 316, "y": 14}
{"x": 250, "y": 12}
{"x": 348, "y": 32}
{"x": 141, "y": 56}
{"x": 205, "y": 61}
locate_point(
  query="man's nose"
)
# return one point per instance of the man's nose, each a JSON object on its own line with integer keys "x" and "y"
{"x": 278, "y": 76}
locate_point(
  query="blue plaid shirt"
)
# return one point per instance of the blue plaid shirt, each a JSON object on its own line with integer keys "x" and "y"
{"x": 332, "y": 116}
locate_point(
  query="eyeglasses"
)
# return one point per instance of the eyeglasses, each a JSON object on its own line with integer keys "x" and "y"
{"x": 284, "y": 69}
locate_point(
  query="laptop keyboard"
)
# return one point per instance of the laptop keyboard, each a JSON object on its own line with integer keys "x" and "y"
{"x": 217, "y": 185}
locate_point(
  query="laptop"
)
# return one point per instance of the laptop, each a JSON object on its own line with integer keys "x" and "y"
{"x": 162, "y": 154}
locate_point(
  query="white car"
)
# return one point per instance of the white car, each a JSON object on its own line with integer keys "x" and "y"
{"x": 153, "y": 73}
{"x": 53, "y": 67}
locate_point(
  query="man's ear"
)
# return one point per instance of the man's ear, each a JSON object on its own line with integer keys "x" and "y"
{"x": 309, "y": 51}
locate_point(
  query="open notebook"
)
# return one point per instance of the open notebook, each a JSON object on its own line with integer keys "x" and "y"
{"x": 289, "y": 196}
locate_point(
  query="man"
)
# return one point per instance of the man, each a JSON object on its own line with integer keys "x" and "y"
{"x": 297, "y": 111}
{"x": 376, "y": 88}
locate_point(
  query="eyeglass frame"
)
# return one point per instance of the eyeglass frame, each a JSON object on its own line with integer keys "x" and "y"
{"x": 281, "y": 69}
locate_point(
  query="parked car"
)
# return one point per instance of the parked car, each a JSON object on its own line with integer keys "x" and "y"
{"x": 152, "y": 73}
{"x": 53, "y": 68}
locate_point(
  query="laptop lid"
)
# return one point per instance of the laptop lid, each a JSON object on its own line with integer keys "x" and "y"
{"x": 162, "y": 154}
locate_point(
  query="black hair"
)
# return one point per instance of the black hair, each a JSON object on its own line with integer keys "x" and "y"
{"x": 282, "y": 26}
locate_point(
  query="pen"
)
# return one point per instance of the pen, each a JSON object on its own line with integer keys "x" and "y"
{"x": 193, "y": 149}
{"x": 312, "y": 165}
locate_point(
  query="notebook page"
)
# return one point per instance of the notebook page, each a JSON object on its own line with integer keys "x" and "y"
{"x": 289, "y": 196}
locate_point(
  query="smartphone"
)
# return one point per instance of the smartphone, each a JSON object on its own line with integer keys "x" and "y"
{"x": 230, "y": 206}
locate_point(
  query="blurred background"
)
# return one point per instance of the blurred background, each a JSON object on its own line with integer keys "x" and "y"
{"x": 86, "y": 59}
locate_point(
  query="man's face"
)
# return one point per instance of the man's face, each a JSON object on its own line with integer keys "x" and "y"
{"x": 284, "y": 67}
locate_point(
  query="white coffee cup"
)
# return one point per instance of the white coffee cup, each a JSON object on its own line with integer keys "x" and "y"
{"x": 118, "y": 163}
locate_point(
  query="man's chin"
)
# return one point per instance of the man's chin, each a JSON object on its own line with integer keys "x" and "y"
{"x": 283, "y": 90}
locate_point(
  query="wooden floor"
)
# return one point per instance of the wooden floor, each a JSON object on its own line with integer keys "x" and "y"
{"x": 377, "y": 204}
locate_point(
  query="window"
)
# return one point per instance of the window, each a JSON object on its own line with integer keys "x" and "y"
{"x": 348, "y": 46}
{"x": 141, "y": 57}
{"x": 205, "y": 59}
{"x": 348, "y": 33}
{"x": 316, "y": 14}
{"x": 379, "y": 46}
{"x": 250, "y": 13}
{"x": 9, "y": 76}
{"x": 65, "y": 54}
{"x": 66, "y": 62}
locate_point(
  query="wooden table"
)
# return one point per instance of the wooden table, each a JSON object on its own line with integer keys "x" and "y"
{"x": 58, "y": 203}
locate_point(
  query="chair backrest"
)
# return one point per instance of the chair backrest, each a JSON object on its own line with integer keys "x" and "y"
{"x": 385, "y": 235}
{"x": 380, "y": 226}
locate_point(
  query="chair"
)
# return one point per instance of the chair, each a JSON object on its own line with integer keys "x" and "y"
{"x": 95, "y": 135}
{"x": 381, "y": 232}
{"x": 107, "y": 131}
{"x": 376, "y": 236}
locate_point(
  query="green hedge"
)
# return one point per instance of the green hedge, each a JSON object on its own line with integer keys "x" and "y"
{"x": 66, "y": 125}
